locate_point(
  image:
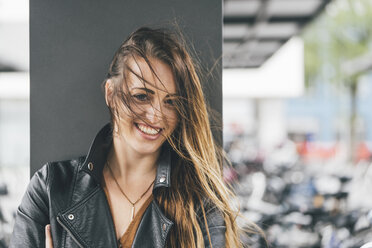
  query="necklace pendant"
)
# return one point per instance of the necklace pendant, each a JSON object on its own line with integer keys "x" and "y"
{"x": 132, "y": 214}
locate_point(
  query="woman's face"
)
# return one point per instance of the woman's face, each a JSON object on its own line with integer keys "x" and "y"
{"x": 155, "y": 116}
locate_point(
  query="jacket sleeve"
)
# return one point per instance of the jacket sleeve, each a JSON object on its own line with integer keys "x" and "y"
{"x": 216, "y": 226}
{"x": 33, "y": 213}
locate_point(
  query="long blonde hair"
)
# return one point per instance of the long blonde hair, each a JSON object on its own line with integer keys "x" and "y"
{"x": 196, "y": 170}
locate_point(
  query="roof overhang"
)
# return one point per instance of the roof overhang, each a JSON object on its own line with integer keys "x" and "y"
{"x": 255, "y": 29}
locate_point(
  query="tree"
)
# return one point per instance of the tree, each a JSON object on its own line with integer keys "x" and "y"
{"x": 333, "y": 45}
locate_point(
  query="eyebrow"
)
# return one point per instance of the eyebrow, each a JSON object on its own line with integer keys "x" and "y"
{"x": 152, "y": 92}
{"x": 145, "y": 89}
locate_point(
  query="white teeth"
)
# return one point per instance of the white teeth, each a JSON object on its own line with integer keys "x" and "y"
{"x": 148, "y": 130}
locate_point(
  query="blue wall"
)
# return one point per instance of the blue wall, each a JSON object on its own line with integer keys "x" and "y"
{"x": 325, "y": 103}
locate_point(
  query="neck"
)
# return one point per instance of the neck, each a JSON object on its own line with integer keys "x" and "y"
{"x": 129, "y": 165}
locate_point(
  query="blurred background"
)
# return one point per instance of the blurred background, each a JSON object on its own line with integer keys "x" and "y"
{"x": 14, "y": 111}
{"x": 297, "y": 86}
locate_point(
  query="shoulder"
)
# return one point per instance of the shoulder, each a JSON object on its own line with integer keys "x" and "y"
{"x": 53, "y": 183}
{"x": 64, "y": 170}
{"x": 52, "y": 175}
{"x": 42, "y": 200}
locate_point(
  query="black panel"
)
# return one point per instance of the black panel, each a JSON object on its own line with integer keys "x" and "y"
{"x": 71, "y": 45}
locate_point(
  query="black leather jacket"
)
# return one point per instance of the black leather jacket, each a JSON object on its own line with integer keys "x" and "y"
{"x": 68, "y": 195}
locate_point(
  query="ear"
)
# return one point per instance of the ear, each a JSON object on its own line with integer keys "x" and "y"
{"x": 108, "y": 91}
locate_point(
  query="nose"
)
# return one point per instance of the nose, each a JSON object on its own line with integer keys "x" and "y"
{"x": 153, "y": 113}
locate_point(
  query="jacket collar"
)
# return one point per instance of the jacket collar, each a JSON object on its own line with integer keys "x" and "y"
{"x": 100, "y": 147}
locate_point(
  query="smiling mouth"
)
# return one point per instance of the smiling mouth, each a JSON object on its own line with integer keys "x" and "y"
{"x": 148, "y": 130}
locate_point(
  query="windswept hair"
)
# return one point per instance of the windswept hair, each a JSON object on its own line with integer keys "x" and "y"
{"x": 196, "y": 170}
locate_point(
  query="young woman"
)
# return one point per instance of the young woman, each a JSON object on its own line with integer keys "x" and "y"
{"x": 152, "y": 176}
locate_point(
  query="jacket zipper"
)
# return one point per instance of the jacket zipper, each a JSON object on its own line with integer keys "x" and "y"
{"x": 72, "y": 236}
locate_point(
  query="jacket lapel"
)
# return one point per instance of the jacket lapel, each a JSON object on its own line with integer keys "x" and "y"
{"x": 153, "y": 229}
{"x": 89, "y": 222}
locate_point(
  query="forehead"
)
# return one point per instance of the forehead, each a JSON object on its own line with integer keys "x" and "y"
{"x": 162, "y": 79}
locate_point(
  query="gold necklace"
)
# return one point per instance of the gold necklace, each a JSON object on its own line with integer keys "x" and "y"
{"x": 122, "y": 191}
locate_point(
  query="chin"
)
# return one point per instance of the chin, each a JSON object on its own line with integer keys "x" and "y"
{"x": 147, "y": 149}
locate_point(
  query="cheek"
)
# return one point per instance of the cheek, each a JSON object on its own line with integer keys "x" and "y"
{"x": 171, "y": 117}
{"x": 173, "y": 121}
{"x": 136, "y": 108}
{"x": 125, "y": 118}
{"x": 129, "y": 114}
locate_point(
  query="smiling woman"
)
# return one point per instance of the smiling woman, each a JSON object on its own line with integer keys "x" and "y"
{"x": 152, "y": 177}
{"x": 149, "y": 117}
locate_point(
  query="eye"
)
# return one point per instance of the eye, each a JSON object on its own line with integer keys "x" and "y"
{"x": 169, "y": 102}
{"x": 141, "y": 97}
